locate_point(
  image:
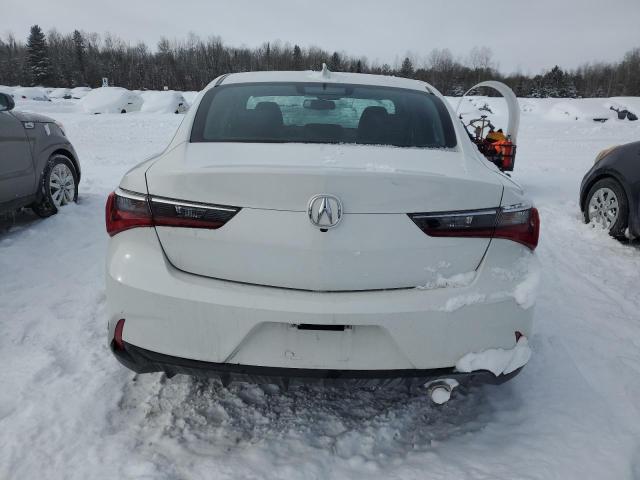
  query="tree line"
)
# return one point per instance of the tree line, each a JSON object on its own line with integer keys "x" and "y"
{"x": 83, "y": 59}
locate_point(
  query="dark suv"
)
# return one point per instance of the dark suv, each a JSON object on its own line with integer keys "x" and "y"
{"x": 38, "y": 166}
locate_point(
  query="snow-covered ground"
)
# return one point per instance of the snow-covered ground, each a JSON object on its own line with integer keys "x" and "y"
{"x": 69, "y": 410}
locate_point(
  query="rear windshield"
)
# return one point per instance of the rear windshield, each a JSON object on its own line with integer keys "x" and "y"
{"x": 323, "y": 113}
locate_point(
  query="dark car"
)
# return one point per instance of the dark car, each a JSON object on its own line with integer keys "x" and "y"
{"x": 610, "y": 191}
{"x": 38, "y": 166}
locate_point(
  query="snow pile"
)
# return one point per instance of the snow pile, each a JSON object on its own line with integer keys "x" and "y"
{"x": 163, "y": 102}
{"x": 110, "y": 100}
{"x": 31, "y": 93}
{"x": 626, "y": 103}
{"x": 7, "y": 90}
{"x": 455, "y": 303}
{"x": 60, "y": 93}
{"x": 497, "y": 360}
{"x": 458, "y": 280}
{"x": 80, "y": 92}
{"x": 588, "y": 109}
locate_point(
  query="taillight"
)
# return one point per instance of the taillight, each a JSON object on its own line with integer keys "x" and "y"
{"x": 518, "y": 223}
{"x": 172, "y": 213}
{"x": 127, "y": 210}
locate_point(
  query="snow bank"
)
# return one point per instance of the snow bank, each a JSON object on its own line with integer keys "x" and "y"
{"x": 497, "y": 360}
{"x": 31, "y": 93}
{"x": 110, "y": 100}
{"x": 586, "y": 109}
{"x": 163, "y": 102}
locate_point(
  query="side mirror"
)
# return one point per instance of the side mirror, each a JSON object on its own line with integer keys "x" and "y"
{"x": 6, "y": 102}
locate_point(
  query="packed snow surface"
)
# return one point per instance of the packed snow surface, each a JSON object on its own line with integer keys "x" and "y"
{"x": 69, "y": 410}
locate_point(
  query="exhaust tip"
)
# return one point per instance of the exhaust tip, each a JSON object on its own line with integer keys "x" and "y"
{"x": 440, "y": 390}
{"x": 440, "y": 394}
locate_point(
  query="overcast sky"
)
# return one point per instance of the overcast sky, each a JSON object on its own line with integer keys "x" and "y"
{"x": 529, "y": 35}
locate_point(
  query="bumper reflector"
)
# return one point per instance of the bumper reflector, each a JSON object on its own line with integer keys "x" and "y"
{"x": 117, "y": 336}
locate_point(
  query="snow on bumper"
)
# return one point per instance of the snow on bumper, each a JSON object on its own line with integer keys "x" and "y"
{"x": 498, "y": 361}
{"x": 186, "y": 316}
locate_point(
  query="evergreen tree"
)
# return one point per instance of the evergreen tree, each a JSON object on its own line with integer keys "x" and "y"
{"x": 297, "y": 58}
{"x": 335, "y": 64}
{"x": 77, "y": 58}
{"x": 406, "y": 70}
{"x": 267, "y": 56}
{"x": 553, "y": 82}
{"x": 79, "y": 50}
{"x": 38, "y": 56}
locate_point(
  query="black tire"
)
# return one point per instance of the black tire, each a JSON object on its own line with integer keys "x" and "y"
{"x": 620, "y": 225}
{"x": 46, "y": 206}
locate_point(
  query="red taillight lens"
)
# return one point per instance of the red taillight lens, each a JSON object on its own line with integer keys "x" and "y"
{"x": 125, "y": 210}
{"x": 522, "y": 226}
{"x": 517, "y": 223}
{"x": 118, "y": 343}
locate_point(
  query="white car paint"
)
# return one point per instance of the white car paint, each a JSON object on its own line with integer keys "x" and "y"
{"x": 234, "y": 295}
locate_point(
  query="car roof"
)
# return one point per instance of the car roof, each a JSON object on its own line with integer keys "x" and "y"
{"x": 321, "y": 76}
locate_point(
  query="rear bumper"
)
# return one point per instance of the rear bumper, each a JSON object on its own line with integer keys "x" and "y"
{"x": 195, "y": 319}
{"x": 145, "y": 361}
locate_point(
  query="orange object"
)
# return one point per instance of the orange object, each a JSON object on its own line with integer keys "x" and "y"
{"x": 505, "y": 149}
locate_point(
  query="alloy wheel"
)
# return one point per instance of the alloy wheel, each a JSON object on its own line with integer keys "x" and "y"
{"x": 604, "y": 208}
{"x": 62, "y": 185}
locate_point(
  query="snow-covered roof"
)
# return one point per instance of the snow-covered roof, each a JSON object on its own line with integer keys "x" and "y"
{"x": 324, "y": 77}
{"x": 110, "y": 100}
{"x": 163, "y": 102}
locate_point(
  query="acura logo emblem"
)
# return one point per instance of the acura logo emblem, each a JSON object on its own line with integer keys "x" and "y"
{"x": 325, "y": 211}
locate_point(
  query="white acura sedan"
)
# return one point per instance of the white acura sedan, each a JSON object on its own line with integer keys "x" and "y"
{"x": 305, "y": 225}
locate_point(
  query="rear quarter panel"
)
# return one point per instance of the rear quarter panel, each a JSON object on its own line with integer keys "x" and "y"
{"x": 43, "y": 145}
